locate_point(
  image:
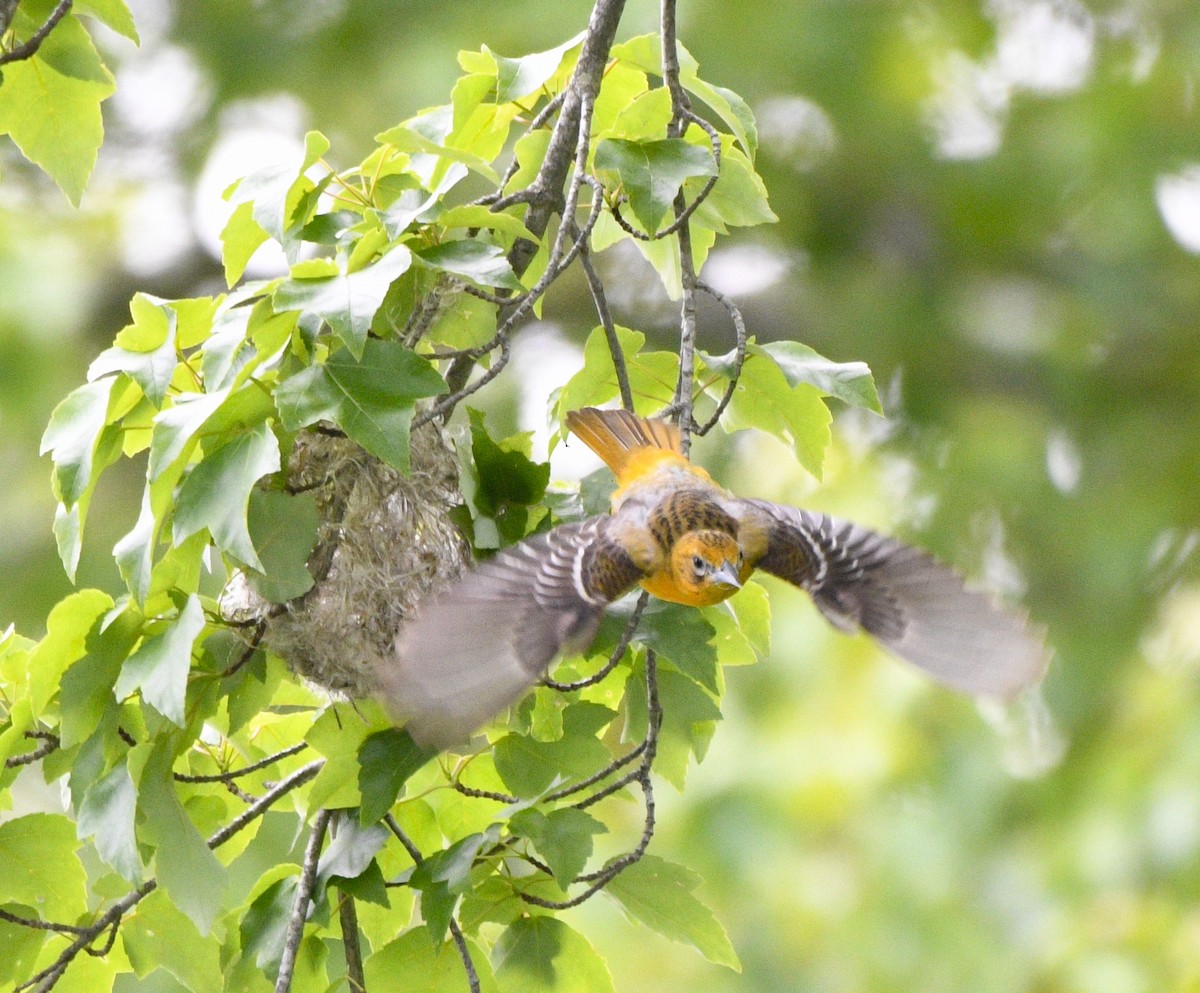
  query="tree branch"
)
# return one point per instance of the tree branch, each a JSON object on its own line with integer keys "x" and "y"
{"x": 304, "y": 891}
{"x": 455, "y": 931}
{"x": 46, "y": 979}
{"x": 29, "y": 48}
{"x": 49, "y": 744}
{"x": 739, "y": 359}
{"x": 351, "y": 945}
{"x": 226, "y": 777}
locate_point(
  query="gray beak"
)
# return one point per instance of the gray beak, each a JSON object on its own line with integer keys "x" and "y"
{"x": 728, "y": 575}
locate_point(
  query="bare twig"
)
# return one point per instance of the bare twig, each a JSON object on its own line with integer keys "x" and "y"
{"x": 34, "y": 924}
{"x": 610, "y": 329}
{"x": 29, "y": 48}
{"x": 351, "y": 945}
{"x": 464, "y": 953}
{"x": 739, "y": 358}
{"x": 49, "y": 742}
{"x": 614, "y": 658}
{"x": 455, "y": 931}
{"x": 600, "y": 878}
{"x": 111, "y": 918}
{"x": 304, "y": 891}
{"x": 225, "y": 777}
{"x": 478, "y": 794}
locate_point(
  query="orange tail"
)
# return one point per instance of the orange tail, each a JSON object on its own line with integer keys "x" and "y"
{"x": 613, "y": 434}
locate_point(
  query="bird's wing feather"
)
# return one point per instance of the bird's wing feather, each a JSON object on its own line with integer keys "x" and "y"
{"x": 477, "y": 647}
{"x": 911, "y": 603}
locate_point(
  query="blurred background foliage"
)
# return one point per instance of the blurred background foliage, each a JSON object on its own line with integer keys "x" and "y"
{"x": 997, "y": 206}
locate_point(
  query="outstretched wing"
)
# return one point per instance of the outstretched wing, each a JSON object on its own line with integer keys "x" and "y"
{"x": 480, "y": 645}
{"x": 911, "y": 603}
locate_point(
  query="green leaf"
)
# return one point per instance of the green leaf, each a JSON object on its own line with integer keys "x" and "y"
{"x": 413, "y": 962}
{"x": 562, "y": 837}
{"x": 348, "y": 300}
{"x": 264, "y": 926}
{"x": 470, "y": 215}
{"x": 528, "y": 766}
{"x": 472, "y": 259}
{"x": 175, "y": 428}
{"x": 507, "y": 477}
{"x": 112, "y": 13}
{"x": 185, "y": 866}
{"x": 443, "y": 877}
{"x": 405, "y": 138}
{"x": 160, "y": 666}
{"x": 848, "y": 381}
{"x": 797, "y": 415}
{"x": 240, "y": 239}
{"x": 67, "y": 629}
{"x": 107, "y": 815}
{"x": 659, "y": 894}
{"x": 151, "y": 367}
{"x": 283, "y": 527}
{"x": 21, "y": 947}
{"x": 371, "y": 400}
{"x": 652, "y": 172}
{"x": 645, "y": 52}
{"x": 51, "y": 104}
{"x": 351, "y": 850}
{"x": 386, "y": 760}
{"x": 651, "y": 374}
{"x": 41, "y": 866}
{"x": 682, "y": 635}
{"x": 516, "y": 78}
{"x": 544, "y": 954}
{"x": 134, "y": 553}
{"x": 742, "y": 626}
{"x": 739, "y": 198}
{"x": 159, "y": 936}
{"x": 216, "y": 490}
{"x": 71, "y": 437}
{"x": 276, "y": 190}
{"x": 465, "y": 322}
{"x": 688, "y": 716}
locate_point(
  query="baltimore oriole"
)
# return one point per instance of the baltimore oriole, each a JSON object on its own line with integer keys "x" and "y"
{"x": 479, "y": 646}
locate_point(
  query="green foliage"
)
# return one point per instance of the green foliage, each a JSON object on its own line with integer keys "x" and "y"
{"x": 169, "y": 712}
{"x": 50, "y": 102}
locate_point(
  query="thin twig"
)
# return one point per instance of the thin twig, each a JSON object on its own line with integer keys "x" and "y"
{"x": 304, "y": 892}
{"x": 613, "y": 659}
{"x": 600, "y": 299}
{"x": 459, "y": 941}
{"x": 111, "y": 918}
{"x": 478, "y": 794}
{"x": 618, "y": 763}
{"x": 351, "y": 945}
{"x": 739, "y": 359}
{"x": 598, "y": 880}
{"x": 30, "y": 47}
{"x": 36, "y": 925}
{"x": 464, "y": 953}
{"x": 224, "y": 777}
{"x": 49, "y": 744}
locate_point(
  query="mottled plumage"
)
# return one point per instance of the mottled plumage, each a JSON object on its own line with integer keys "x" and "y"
{"x": 480, "y": 645}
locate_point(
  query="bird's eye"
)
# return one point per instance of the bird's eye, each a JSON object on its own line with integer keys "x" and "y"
{"x": 698, "y": 564}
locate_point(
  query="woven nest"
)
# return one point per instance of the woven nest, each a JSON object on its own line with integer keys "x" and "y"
{"x": 385, "y": 540}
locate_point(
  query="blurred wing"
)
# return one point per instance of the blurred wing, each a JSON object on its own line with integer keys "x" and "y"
{"x": 480, "y": 645}
{"x": 911, "y": 603}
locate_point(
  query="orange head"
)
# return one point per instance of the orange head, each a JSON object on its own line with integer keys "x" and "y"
{"x": 707, "y": 567}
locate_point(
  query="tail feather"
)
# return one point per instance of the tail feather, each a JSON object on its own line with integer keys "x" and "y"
{"x": 613, "y": 434}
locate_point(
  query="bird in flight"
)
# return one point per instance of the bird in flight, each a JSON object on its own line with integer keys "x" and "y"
{"x": 480, "y": 645}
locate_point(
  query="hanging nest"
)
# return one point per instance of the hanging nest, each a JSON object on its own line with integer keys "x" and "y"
{"x": 384, "y": 542}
